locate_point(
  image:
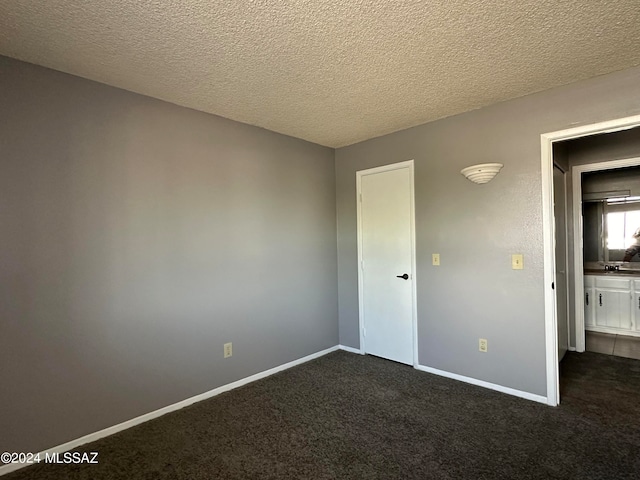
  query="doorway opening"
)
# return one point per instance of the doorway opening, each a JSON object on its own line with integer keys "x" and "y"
{"x": 548, "y": 142}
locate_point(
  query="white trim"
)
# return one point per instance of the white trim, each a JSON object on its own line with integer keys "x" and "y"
{"x": 482, "y": 383}
{"x": 566, "y": 178}
{"x": 414, "y": 293}
{"x": 578, "y": 263}
{"x": 351, "y": 349}
{"x": 5, "y": 469}
{"x": 414, "y": 268}
{"x": 566, "y": 254}
{"x": 548, "y": 232}
{"x": 546, "y": 154}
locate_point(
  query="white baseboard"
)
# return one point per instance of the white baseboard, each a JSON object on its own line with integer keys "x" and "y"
{"x": 482, "y": 383}
{"x": 5, "y": 469}
{"x": 350, "y": 349}
{"x": 462, "y": 378}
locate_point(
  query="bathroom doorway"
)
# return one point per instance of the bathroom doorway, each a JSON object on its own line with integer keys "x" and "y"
{"x": 576, "y": 286}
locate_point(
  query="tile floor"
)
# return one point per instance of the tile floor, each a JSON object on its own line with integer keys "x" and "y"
{"x": 618, "y": 345}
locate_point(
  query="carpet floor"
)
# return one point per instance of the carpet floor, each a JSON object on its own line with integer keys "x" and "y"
{"x": 361, "y": 417}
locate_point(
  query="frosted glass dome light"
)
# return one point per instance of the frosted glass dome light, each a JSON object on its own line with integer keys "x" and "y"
{"x": 481, "y": 173}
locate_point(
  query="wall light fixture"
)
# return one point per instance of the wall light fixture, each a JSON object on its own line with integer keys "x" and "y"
{"x": 481, "y": 173}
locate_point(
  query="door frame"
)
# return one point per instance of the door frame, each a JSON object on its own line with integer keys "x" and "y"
{"x": 546, "y": 154}
{"x": 565, "y": 207}
{"x": 359, "y": 174}
{"x": 578, "y": 263}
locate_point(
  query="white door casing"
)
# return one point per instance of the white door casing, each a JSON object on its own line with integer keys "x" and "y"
{"x": 576, "y": 173}
{"x": 386, "y": 252}
{"x": 560, "y": 214}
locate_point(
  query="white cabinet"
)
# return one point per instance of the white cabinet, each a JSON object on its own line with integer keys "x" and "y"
{"x": 589, "y": 300}
{"x": 613, "y": 309}
{"x": 635, "y": 305}
{"x": 612, "y": 304}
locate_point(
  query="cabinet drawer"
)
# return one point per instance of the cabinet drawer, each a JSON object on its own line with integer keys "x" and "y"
{"x": 610, "y": 282}
{"x": 590, "y": 281}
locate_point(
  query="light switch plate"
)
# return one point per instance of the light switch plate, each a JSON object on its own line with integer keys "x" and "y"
{"x": 435, "y": 258}
{"x": 517, "y": 261}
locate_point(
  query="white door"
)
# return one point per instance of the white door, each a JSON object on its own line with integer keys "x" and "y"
{"x": 635, "y": 305}
{"x": 386, "y": 276}
{"x": 560, "y": 214}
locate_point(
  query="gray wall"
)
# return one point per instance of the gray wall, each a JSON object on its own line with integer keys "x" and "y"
{"x": 619, "y": 179}
{"x": 603, "y": 147}
{"x": 138, "y": 237}
{"x": 475, "y": 228}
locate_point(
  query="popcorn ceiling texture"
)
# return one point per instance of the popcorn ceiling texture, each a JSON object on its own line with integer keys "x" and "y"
{"x": 331, "y": 72}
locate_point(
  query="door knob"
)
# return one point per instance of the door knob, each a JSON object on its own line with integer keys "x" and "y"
{"x": 405, "y": 276}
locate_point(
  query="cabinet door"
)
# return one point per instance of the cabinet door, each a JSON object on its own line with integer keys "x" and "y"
{"x": 613, "y": 309}
{"x": 635, "y": 306}
{"x": 589, "y": 307}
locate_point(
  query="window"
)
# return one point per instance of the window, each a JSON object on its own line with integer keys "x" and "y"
{"x": 621, "y": 221}
{"x": 620, "y": 229}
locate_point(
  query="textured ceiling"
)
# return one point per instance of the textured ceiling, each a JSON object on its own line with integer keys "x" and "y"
{"x": 332, "y": 72}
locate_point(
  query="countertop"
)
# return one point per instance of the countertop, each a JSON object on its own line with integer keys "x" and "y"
{"x": 612, "y": 273}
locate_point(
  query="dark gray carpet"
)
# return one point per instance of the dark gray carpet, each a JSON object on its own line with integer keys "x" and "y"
{"x": 349, "y": 416}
